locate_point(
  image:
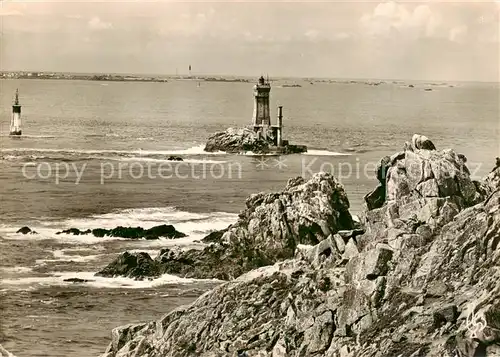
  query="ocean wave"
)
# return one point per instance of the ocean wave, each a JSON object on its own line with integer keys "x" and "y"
{"x": 61, "y": 256}
{"x": 194, "y": 225}
{"x": 9, "y": 233}
{"x": 16, "y": 270}
{"x": 251, "y": 153}
{"x": 24, "y": 136}
{"x": 193, "y": 151}
{"x": 324, "y": 153}
{"x": 57, "y": 279}
{"x": 150, "y": 159}
{"x": 35, "y": 158}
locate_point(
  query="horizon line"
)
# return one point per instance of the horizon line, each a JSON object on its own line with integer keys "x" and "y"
{"x": 184, "y": 75}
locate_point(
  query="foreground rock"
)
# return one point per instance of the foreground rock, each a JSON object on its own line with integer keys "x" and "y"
{"x": 26, "y": 230}
{"x": 167, "y": 231}
{"x": 138, "y": 266}
{"x": 436, "y": 293}
{"x": 268, "y": 230}
{"x": 244, "y": 140}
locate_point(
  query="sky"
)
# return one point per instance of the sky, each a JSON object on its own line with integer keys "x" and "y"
{"x": 427, "y": 40}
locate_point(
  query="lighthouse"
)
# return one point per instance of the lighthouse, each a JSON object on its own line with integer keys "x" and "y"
{"x": 15, "y": 122}
{"x": 261, "y": 120}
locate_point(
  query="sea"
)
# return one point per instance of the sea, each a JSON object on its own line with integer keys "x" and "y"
{"x": 95, "y": 155}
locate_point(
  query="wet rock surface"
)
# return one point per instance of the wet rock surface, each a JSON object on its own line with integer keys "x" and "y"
{"x": 164, "y": 230}
{"x": 420, "y": 279}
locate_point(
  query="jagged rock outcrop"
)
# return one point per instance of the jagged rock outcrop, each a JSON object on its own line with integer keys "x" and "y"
{"x": 237, "y": 140}
{"x": 245, "y": 140}
{"x": 420, "y": 190}
{"x": 423, "y": 280}
{"x": 268, "y": 230}
{"x": 491, "y": 182}
{"x": 164, "y": 230}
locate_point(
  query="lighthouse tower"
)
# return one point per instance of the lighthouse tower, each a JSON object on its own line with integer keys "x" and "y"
{"x": 261, "y": 120}
{"x": 15, "y": 122}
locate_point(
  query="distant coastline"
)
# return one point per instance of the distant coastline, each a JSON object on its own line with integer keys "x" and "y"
{"x": 285, "y": 81}
{"x": 110, "y": 77}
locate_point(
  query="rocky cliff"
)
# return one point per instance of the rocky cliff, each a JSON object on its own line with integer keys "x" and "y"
{"x": 268, "y": 230}
{"x": 423, "y": 280}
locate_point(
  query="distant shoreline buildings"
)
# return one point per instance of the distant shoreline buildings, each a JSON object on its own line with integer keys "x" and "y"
{"x": 110, "y": 77}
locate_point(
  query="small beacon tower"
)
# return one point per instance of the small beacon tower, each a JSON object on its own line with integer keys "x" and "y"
{"x": 261, "y": 120}
{"x": 15, "y": 123}
{"x": 278, "y": 128}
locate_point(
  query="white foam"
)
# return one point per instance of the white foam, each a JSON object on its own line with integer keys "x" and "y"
{"x": 183, "y": 221}
{"x": 16, "y": 270}
{"x": 196, "y": 150}
{"x": 57, "y": 279}
{"x": 48, "y": 233}
{"x": 34, "y": 136}
{"x": 324, "y": 153}
{"x": 61, "y": 256}
{"x": 194, "y": 225}
{"x": 151, "y": 253}
{"x": 251, "y": 153}
{"x": 150, "y": 159}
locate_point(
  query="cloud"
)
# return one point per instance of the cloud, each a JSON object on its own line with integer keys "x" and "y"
{"x": 96, "y": 24}
{"x": 390, "y": 17}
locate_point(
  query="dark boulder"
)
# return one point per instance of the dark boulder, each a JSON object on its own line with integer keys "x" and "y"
{"x": 136, "y": 265}
{"x": 26, "y": 230}
{"x": 75, "y": 231}
{"x": 294, "y": 149}
{"x": 164, "y": 230}
{"x": 76, "y": 280}
{"x": 175, "y": 158}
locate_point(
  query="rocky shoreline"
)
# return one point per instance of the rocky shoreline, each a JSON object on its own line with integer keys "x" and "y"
{"x": 237, "y": 141}
{"x": 417, "y": 277}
